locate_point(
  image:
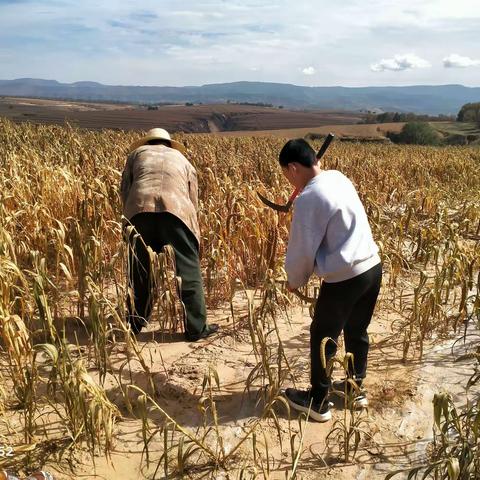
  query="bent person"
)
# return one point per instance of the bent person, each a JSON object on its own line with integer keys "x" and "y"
{"x": 330, "y": 236}
{"x": 159, "y": 192}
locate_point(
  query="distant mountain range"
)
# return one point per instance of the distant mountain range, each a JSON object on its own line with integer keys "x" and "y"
{"x": 435, "y": 99}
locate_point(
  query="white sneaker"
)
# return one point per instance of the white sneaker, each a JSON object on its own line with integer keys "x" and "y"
{"x": 358, "y": 398}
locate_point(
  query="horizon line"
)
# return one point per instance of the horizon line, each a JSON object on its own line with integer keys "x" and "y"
{"x": 239, "y": 81}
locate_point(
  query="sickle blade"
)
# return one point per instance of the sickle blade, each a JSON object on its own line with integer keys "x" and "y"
{"x": 304, "y": 298}
{"x": 286, "y": 207}
{"x": 275, "y": 206}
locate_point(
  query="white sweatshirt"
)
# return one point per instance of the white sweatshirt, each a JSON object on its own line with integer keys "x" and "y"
{"x": 330, "y": 234}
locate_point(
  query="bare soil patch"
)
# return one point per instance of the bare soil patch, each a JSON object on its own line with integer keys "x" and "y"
{"x": 398, "y": 422}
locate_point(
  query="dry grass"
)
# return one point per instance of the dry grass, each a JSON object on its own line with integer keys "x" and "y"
{"x": 62, "y": 259}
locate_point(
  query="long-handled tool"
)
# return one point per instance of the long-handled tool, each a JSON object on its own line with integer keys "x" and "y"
{"x": 287, "y": 206}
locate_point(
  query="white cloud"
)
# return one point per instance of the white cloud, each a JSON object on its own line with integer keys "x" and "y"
{"x": 308, "y": 71}
{"x": 398, "y": 63}
{"x": 458, "y": 61}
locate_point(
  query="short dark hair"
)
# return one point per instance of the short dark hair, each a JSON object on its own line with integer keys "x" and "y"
{"x": 298, "y": 150}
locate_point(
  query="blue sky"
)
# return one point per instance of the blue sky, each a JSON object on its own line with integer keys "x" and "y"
{"x": 194, "y": 42}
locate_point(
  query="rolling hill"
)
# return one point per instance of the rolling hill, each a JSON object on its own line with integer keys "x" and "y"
{"x": 439, "y": 99}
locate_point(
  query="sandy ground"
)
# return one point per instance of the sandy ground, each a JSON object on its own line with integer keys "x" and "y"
{"x": 399, "y": 419}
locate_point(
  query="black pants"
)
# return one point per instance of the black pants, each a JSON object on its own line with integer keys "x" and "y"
{"x": 158, "y": 230}
{"x": 346, "y": 306}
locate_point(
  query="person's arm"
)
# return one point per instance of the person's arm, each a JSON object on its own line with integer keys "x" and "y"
{"x": 308, "y": 228}
{"x": 127, "y": 179}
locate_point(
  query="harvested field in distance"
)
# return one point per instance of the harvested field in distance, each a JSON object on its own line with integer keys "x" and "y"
{"x": 377, "y": 130}
{"x": 174, "y": 118}
{"x": 80, "y": 396}
{"x": 74, "y": 106}
{"x": 458, "y": 133}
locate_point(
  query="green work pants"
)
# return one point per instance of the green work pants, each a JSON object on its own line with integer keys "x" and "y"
{"x": 158, "y": 230}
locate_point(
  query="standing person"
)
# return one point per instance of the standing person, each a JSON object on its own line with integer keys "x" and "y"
{"x": 159, "y": 193}
{"x": 330, "y": 235}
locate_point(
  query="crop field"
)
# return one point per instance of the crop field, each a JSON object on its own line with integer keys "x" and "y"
{"x": 175, "y": 118}
{"x": 81, "y": 397}
{"x": 463, "y": 132}
{"x": 374, "y": 131}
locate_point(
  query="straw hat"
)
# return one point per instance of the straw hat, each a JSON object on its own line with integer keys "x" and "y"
{"x": 157, "y": 134}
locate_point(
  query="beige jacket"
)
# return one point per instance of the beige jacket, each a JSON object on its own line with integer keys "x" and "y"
{"x": 157, "y": 178}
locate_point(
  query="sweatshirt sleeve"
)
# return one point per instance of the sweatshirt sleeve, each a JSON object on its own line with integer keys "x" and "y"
{"x": 308, "y": 228}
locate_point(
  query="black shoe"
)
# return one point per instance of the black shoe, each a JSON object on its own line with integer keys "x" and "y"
{"x": 357, "y": 396}
{"x": 303, "y": 401}
{"x": 209, "y": 329}
{"x": 136, "y": 323}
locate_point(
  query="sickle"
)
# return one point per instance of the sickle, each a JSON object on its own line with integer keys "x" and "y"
{"x": 285, "y": 208}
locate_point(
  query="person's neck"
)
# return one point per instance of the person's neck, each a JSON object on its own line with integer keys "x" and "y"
{"x": 309, "y": 174}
